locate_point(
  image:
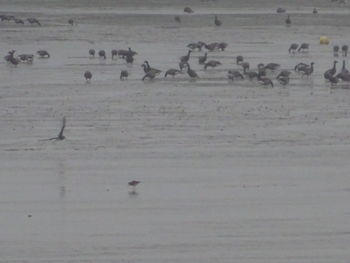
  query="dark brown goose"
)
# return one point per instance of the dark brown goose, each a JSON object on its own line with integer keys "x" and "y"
{"x": 202, "y": 59}
{"x": 32, "y": 20}
{"x": 172, "y": 72}
{"x": 293, "y": 48}
{"x": 88, "y": 76}
{"x": 191, "y": 72}
{"x": 212, "y": 64}
{"x": 288, "y": 21}
{"x": 124, "y": 75}
{"x": 304, "y": 47}
{"x": 43, "y": 53}
{"x": 186, "y": 58}
{"x": 330, "y": 73}
{"x": 92, "y": 52}
{"x": 234, "y": 74}
{"x": 102, "y": 54}
{"x": 114, "y": 53}
{"x": 188, "y": 10}
{"x": 217, "y": 21}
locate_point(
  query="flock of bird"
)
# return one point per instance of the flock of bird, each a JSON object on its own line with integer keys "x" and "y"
{"x": 11, "y": 18}
{"x": 262, "y": 73}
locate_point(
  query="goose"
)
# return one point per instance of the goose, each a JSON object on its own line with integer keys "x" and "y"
{"x": 299, "y": 66}
{"x": 265, "y": 81}
{"x": 288, "y": 21}
{"x": 114, "y": 53}
{"x": 212, "y": 63}
{"x": 335, "y": 50}
{"x": 293, "y": 47}
{"x": 234, "y": 74}
{"x": 71, "y": 22}
{"x": 280, "y": 10}
{"x": 124, "y": 75}
{"x": 157, "y": 71}
{"x": 91, "y": 52}
{"x": 32, "y": 20}
{"x": 19, "y": 21}
{"x": 173, "y": 72}
{"x": 26, "y": 58}
{"x": 186, "y": 58}
{"x": 272, "y": 66}
{"x": 188, "y": 10}
{"x": 102, "y": 54}
{"x": 211, "y": 46}
{"x": 191, "y": 72}
{"x": 284, "y": 80}
{"x": 217, "y": 21}
{"x": 43, "y": 53}
{"x": 88, "y": 76}
{"x": 344, "y": 50}
{"x": 303, "y": 47}
{"x": 222, "y": 46}
{"x": 307, "y": 71}
{"x": 283, "y": 73}
{"x": 202, "y": 59}
{"x": 330, "y": 72}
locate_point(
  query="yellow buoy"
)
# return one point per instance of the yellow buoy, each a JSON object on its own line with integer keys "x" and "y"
{"x": 324, "y": 40}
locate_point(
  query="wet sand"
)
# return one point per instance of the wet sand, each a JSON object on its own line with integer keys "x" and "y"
{"x": 229, "y": 171}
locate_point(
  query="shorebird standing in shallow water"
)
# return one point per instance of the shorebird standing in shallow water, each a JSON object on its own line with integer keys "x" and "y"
{"x": 133, "y": 184}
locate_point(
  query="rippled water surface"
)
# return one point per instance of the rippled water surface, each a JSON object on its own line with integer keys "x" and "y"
{"x": 229, "y": 171}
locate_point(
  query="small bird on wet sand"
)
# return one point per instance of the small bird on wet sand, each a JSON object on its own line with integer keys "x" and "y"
{"x": 60, "y": 136}
{"x": 88, "y": 76}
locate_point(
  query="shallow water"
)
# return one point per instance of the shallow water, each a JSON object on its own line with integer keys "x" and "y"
{"x": 229, "y": 171}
